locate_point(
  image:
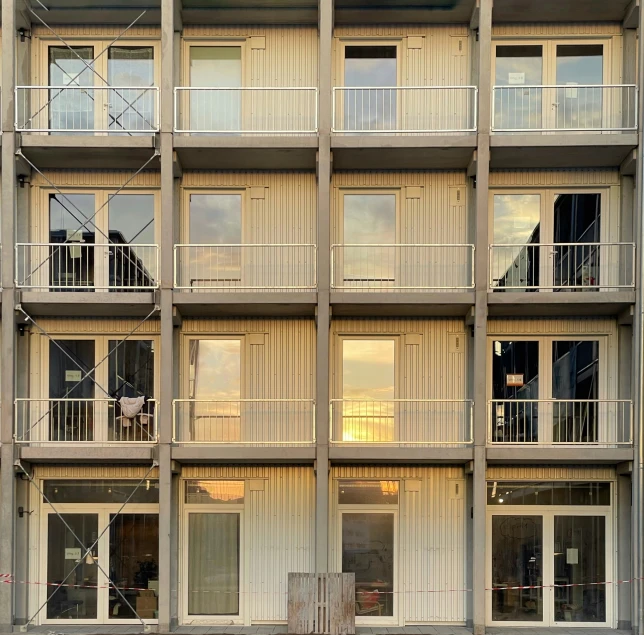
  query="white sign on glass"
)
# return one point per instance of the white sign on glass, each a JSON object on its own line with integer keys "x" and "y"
{"x": 516, "y": 79}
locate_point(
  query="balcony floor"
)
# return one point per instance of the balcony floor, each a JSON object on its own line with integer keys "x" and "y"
{"x": 219, "y": 453}
{"x": 92, "y": 304}
{"x": 84, "y": 453}
{"x": 278, "y": 304}
{"x": 579, "y": 454}
{"x": 392, "y": 303}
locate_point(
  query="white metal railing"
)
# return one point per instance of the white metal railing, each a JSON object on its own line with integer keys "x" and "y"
{"x": 562, "y": 266}
{"x": 237, "y": 110}
{"x": 401, "y": 422}
{"x": 244, "y": 421}
{"x": 78, "y": 265}
{"x": 560, "y": 421}
{"x": 244, "y": 267}
{"x": 403, "y": 267}
{"x": 90, "y": 109}
{"x": 572, "y": 107}
{"x": 404, "y": 109}
{"x": 83, "y": 421}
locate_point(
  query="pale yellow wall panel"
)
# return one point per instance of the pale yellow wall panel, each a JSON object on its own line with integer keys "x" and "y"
{"x": 98, "y": 326}
{"x": 557, "y": 30}
{"x": 551, "y": 326}
{"x": 94, "y": 471}
{"x": 97, "y": 178}
{"x": 94, "y": 32}
{"x": 550, "y": 473}
{"x": 550, "y": 178}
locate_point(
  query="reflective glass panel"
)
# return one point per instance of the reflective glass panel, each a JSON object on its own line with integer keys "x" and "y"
{"x": 214, "y": 492}
{"x": 548, "y": 493}
{"x": 102, "y": 491}
{"x": 368, "y": 492}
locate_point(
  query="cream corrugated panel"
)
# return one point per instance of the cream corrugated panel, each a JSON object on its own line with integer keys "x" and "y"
{"x": 87, "y": 31}
{"x": 97, "y": 178}
{"x": 550, "y": 178}
{"x": 439, "y": 62}
{"x": 287, "y": 213}
{"x": 289, "y": 58}
{"x": 431, "y": 539}
{"x": 279, "y": 531}
{"x": 434, "y": 372}
{"x": 92, "y": 471}
{"x": 284, "y": 366}
{"x": 98, "y": 326}
{"x": 550, "y": 473}
{"x": 553, "y": 29}
{"x": 551, "y": 326}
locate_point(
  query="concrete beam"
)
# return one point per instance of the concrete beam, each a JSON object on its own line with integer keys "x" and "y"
{"x": 632, "y": 15}
{"x": 476, "y": 16}
{"x": 558, "y": 455}
{"x": 629, "y": 164}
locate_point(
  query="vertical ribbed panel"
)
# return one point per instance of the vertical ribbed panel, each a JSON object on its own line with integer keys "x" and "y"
{"x": 288, "y": 212}
{"x": 550, "y": 178}
{"x": 98, "y": 326}
{"x": 426, "y": 371}
{"x": 283, "y": 367}
{"x": 443, "y": 195}
{"x": 441, "y": 60}
{"x": 94, "y": 471}
{"x": 289, "y": 56}
{"x": 97, "y": 178}
{"x": 431, "y": 539}
{"x": 278, "y": 532}
{"x": 552, "y": 29}
{"x": 551, "y": 326}
{"x": 551, "y": 472}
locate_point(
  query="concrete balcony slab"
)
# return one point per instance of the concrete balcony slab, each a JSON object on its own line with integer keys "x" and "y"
{"x": 288, "y": 152}
{"x": 580, "y": 454}
{"x": 278, "y": 304}
{"x": 249, "y": 12}
{"x": 97, "y": 304}
{"x": 107, "y": 12}
{"x": 387, "y": 304}
{"x": 544, "y": 304}
{"x": 88, "y": 151}
{"x": 403, "y": 11}
{"x": 216, "y": 453}
{"x": 560, "y": 150}
{"x": 556, "y": 11}
{"x": 83, "y": 453}
{"x": 392, "y": 454}
{"x": 402, "y": 152}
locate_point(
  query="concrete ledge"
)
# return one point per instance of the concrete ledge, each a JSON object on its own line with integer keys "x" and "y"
{"x": 246, "y": 152}
{"x": 245, "y": 303}
{"x": 560, "y": 150}
{"x": 544, "y": 304}
{"x": 88, "y": 151}
{"x": 77, "y": 453}
{"x": 402, "y": 304}
{"x": 203, "y": 453}
{"x": 391, "y": 454}
{"x": 96, "y": 304}
{"x": 587, "y": 455}
{"x": 367, "y": 152}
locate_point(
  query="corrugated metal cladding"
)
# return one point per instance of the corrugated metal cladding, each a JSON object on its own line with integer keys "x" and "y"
{"x": 278, "y": 531}
{"x": 281, "y": 208}
{"x": 550, "y": 473}
{"x": 284, "y": 56}
{"x": 97, "y": 178}
{"x": 548, "y": 178}
{"x": 94, "y": 31}
{"x": 553, "y": 29}
{"x": 431, "y": 538}
{"x": 281, "y": 365}
{"x": 436, "y": 55}
{"x": 426, "y": 200}
{"x": 93, "y": 471}
{"x": 97, "y": 326}
{"x": 551, "y": 326}
{"x": 429, "y": 368}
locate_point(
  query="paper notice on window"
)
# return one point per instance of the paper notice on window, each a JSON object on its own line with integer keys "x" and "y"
{"x": 571, "y": 93}
{"x": 514, "y": 380}
{"x": 572, "y": 556}
{"x": 73, "y": 375}
{"x": 72, "y": 553}
{"x": 516, "y": 79}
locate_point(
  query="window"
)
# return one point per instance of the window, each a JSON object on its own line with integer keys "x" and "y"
{"x": 368, "y": 492}
{"x": 214, "y": 492}
{"x": 548, "y": 493}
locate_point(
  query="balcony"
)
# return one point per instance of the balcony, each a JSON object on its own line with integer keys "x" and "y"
{"x": 606, "y": 423}
{"x": 238, "y": 268}
{"x": 444, "y": 423}
{"x": 402, "y": 268}
{"x": 83, "y": 421}
{"x": 78, "y": 266}
{"x": 244, "y": 422}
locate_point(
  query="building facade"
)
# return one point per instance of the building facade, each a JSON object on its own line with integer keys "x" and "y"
{"x": 316, "y": 286}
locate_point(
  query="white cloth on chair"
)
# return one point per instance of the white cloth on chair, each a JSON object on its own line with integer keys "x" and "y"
{"x": 130, "y": 408}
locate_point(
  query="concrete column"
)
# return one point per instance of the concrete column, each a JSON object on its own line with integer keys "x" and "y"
{"x": 624, "y": 495}
{"x": 323, "y": 310}
{"x": 479, "y": 498}
{"x": 7, "y": 477}
{"x": 167, "y": 504}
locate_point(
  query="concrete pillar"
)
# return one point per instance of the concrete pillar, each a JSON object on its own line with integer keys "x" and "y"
{"x": 623, "y": 539}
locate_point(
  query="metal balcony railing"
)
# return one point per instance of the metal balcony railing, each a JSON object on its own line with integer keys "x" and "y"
{"x": 602, "y": 422}
{"x": 562, "y": 266}
{"x": 401, "y": 422}
{"x": 75, "y": 266}
{"x": 416, "y": 267}
{"x": 87, "y": 109}
{"x": 404, "y": 109}
{"x": 238, "y": 110}
{"x": 263, "y": 422}
{"x": 267, "y": 267}
{"x": 91, "y": 421}
{"x": 571, "y": 107}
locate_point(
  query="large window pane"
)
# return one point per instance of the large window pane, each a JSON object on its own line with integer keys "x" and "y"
{"x": 213, "y": 564}
{"x": 368, "y": 492}
{"x": 515, "y": 379}
{"x": 214, "y": 492}
{"x": 368, "y": 551}
{"x": 101, "y": 491}
{"x": 517, "y": 560}
{"x": 368, "y": 379}
{"x": 548, "y": 493}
